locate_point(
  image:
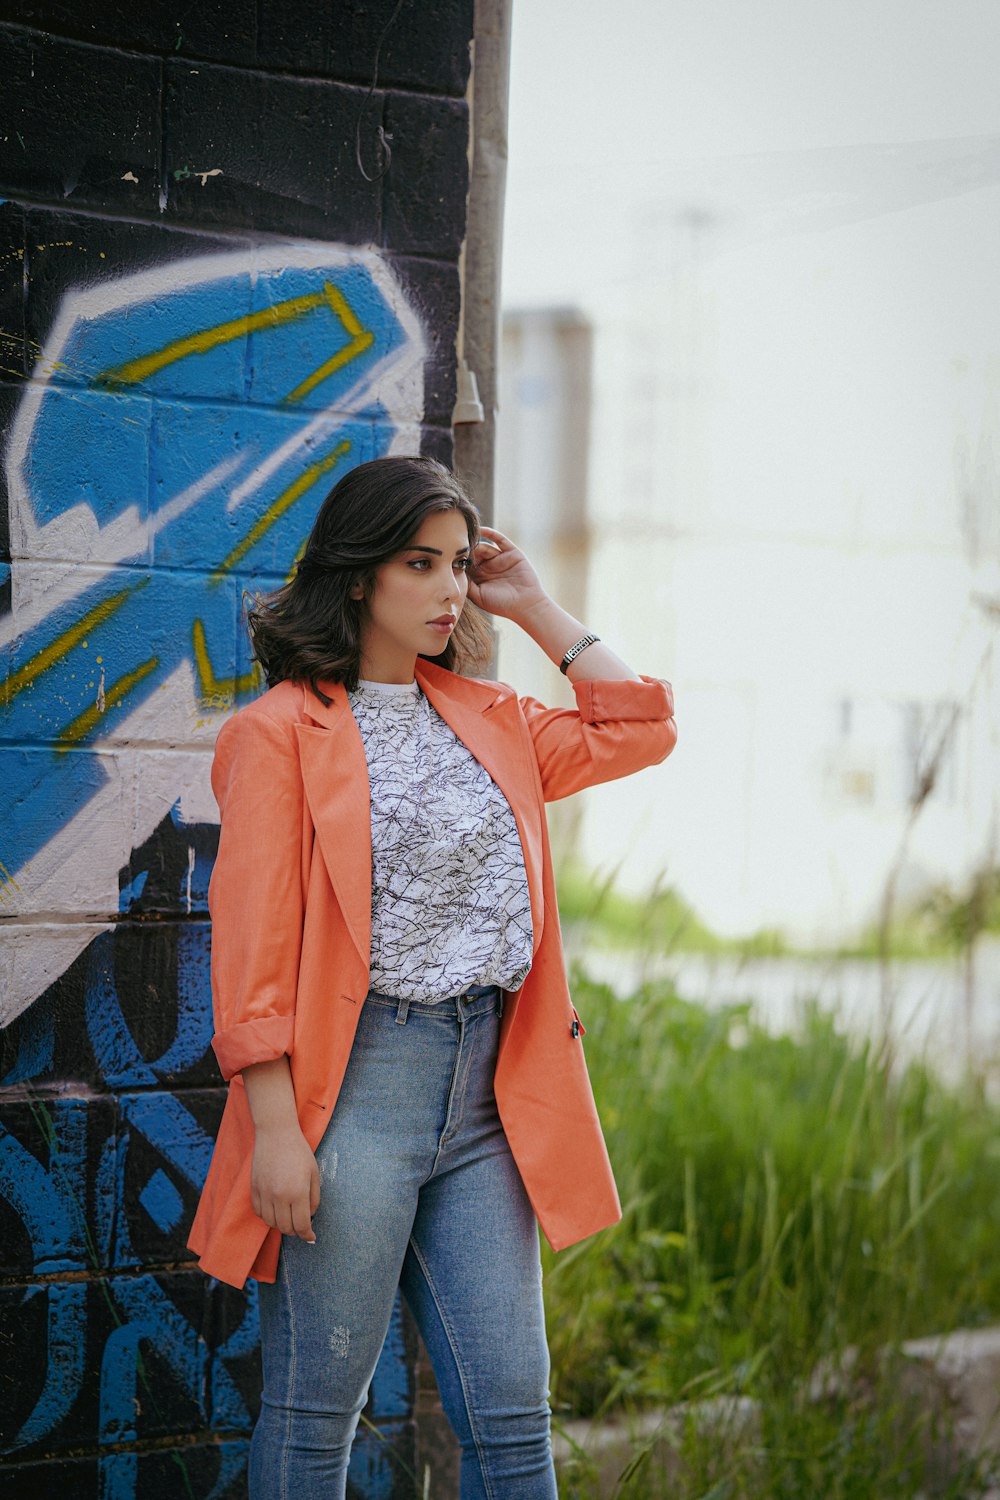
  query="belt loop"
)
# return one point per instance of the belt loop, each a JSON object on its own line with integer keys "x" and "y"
{"x": 402, "y": 1012}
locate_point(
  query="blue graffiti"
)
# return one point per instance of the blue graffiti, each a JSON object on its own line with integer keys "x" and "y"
{"x": 198, "y": 428}
{"x": 52, "y": 1202}
{"x": 177, "y": 437}
{"x": 119, "y": 1473}
{"x": 67, "y": 1320}
{"x": 162, "y": 1202}
{"x": 117, "y": 1054}
{"x": 130, "y": 893}
{"x": 36, "y": 1047}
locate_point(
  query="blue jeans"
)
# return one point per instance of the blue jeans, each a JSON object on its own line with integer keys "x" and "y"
{"x": 418, "y": 1190}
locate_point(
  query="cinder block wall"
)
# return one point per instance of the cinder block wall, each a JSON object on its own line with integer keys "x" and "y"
{"x": 207, "y": 313}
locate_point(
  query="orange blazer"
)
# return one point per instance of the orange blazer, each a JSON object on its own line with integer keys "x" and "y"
{"x": 290, "y": 900}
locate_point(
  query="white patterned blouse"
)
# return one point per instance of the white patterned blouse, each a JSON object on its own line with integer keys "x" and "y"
{"x": 450, "y": 903}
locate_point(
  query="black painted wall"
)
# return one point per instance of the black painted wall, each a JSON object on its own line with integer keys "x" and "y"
{"x": 207, "y": 312}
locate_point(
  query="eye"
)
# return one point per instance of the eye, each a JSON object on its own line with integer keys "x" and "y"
{"x": 464, "y": 563}
{"x": 420, "y": 563}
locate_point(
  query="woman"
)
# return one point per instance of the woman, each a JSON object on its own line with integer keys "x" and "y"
{"x": 408, "y": 1088}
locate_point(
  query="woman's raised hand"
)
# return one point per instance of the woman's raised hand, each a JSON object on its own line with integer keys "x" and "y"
{"x": 502, "y": 580}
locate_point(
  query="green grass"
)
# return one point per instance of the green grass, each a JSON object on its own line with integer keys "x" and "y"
{"x": 661, "y": 922}
{"x": 784, "y": 1199}
{"x": 879, "y": 1447}
{"x": 939, "y": 926}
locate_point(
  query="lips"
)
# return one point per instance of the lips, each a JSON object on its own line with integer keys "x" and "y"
{"x": 443, "y": 620}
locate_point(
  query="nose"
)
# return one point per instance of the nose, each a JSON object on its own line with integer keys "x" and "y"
{"x": 454, "y": 587}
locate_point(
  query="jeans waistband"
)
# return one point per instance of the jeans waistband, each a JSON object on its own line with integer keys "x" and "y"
{"x": 470, "y": 1001}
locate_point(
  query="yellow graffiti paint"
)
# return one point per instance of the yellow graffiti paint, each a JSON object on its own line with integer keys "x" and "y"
{"x": 278, "y": 507}
{"x": 136, "y": 370}
{"x": 296, "y": 560}
{"x": 82, "y": 725}
{"x": 361, "y": 339}
{"x": 7, "y": 880}
{"x": 218, "y": 692}
{"x": 63, "y": 644}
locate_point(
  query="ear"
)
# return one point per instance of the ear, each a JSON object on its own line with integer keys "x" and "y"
{"x": 357, "y": 591}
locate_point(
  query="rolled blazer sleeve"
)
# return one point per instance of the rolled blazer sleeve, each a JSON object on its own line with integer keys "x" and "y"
{"x": 255, "y": 894}
{"x": 617, "y": 727}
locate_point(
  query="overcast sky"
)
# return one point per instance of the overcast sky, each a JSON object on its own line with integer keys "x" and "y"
{"x": 842, "y": 300}
{"x": 773, "y": 112}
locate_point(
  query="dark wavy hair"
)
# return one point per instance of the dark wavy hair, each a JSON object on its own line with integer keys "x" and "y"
{"x": 311, "y": 629}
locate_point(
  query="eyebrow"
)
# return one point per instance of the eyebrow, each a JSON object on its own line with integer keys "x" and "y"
{"x": 436, "y": 550}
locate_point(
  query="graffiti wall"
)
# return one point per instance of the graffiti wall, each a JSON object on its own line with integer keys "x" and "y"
{"x": 209, "y": 310}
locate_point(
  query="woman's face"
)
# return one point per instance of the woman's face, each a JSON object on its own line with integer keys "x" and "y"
{"x": 418, "y": 597}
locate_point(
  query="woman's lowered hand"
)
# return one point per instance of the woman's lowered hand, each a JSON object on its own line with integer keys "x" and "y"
{"x": 284, "y": 1177}
{"x": 284, "y": 1181}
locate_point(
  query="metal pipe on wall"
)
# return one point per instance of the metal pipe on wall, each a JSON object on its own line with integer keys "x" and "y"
{"x": 478, "y": 340}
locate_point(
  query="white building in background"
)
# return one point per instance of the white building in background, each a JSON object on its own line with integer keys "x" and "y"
{"x": 543, "y": 455}
{"x": 810, "y": 557}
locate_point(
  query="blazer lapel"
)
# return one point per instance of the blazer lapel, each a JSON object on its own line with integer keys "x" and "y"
{"x": 486, "y": 718}
{"x": 335, "y": 777}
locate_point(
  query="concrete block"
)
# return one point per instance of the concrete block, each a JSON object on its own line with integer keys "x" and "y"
{"x": 244, "y": 411}
{"x": 102, "y": 292}
{"x": 210, "y": 1468}
{"x": 425, "y": 189}
{"x": 78, "y": 472}
{"x": 51, "y": 1153}
{"x": 432, "y": 290}
{"x": 353, "y": 331}
{"x": 116, "y": 656}
{"x": 130, "y": 1007}
{"x": 13, "y": 351}
{"x": 34, "y": 956}
{"x": 427, "y": 47}
{"x": 231, "y": 1334}
{"x": 164, "y": 1145}
{"x": 147, "y": 1010}
{"x": 125, "y": 1361}
{"x": 101, "y": 151}
{"x": 68, "y": 829}
{"x": 220, "y": 29}
{"x": 69, "y": 1478}
{"x": 168, "y": 397}
{"x": 266, "y": 152}
{"x": 273, "y": 470}
{"x": 95, "y": 1184}
{"x": 168, "y": 872}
